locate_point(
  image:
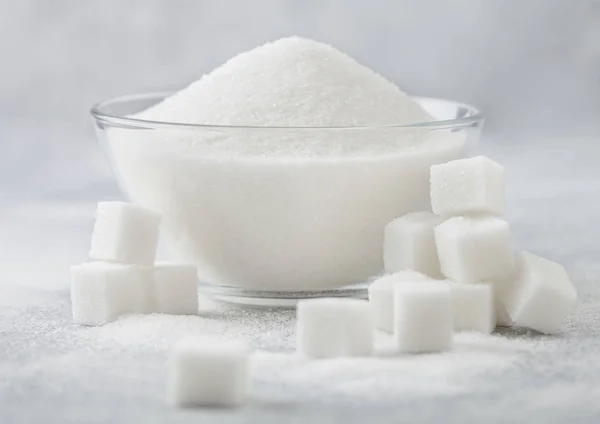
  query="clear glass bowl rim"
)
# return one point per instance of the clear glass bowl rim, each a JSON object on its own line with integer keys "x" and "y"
{"x": 473, "y": 116}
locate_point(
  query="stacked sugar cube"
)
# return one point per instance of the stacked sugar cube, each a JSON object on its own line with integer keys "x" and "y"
{"x": 449, "y": 270}
{"x": 123, "y": 277}
{"x": 467, "y": 242}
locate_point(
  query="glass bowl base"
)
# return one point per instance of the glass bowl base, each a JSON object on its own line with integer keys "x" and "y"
{"x": 278, "y": 299}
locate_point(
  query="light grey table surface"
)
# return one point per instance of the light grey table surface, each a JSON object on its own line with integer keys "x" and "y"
{"x": 554, "y": 200}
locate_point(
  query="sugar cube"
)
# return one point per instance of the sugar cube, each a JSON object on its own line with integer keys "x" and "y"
{"x": 175, "y": 289}
{"x": 502, "y": 317}
{"x": 381, "y": 296}
{"x": 205, "y": 372}
{"x": 473, "y": 306}
{"x": 540, "y": 296}
{"x": 332, "y": 327}
{"x": 474, "y": 249}
{"x": 409, "y": 243}
{"x": 101, "y": 292}
{"x": 319, "y": 333}
{"x": 358, "y": 325}
{"x": 467, "y": 186}
{"x": 423, "y": 318}
{"x": 124, "y": 233}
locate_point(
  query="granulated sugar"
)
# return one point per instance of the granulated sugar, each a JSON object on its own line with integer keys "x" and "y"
{"x": 283, "y": 209}
{"x": 278, "y": 373}
{"x": 271, "y": 333}
{"x": 46, "y": 357}
{"x": 127, "y": 357}
{"x": 292, "y": 82}
{"x": 387, "y": 375}
{"x": 264, "y": 329}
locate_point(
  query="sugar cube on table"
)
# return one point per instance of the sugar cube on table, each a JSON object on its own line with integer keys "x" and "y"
{"x": 502, "y": 317}
{"x": 409, "y": 243}
{"x": 333, "y": 327}
{"x": 467, "y": 186}
{"x": 206, "y": 372}
{"x": 381, "y": 296}
{"x": 359, "y": 327}
{"x": 540, "y": 296}
{"x": 175, "y": 289}
{"x": 101, "y": 292}
{"x": 474, "y": 308}
{"x": 474, "y": 249}
{"x": 319, "y": 331}
{"x": 125, "y": 233}
{"x": 423, "y": 317}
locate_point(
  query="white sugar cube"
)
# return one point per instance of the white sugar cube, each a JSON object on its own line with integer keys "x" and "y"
{"x": 502, "y": 317}
{"x": 540, "y": 296}
{"x": 466, "y": 186}
{"x": 205, "y": 372}
{"x": 409, "y": 243}
{"x": 423, "y": 317}
{"x": 332, "y": 327}
{"x": 124, "y": 233}
{"x": 474, "y": 249}
{"x": 175, "y": 289}
{"x": 358, "y": 325}
{"x": 473, "y": 306}
{"x": 319, "y": 331}
{"x": 381, "y": 296}
{"x": 101, "y": 292}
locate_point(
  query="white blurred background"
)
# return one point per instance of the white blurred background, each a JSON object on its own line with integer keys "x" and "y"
{"x": 533, "y": 66}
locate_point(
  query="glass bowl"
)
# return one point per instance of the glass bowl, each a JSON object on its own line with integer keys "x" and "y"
{"x": 275, "y": 214}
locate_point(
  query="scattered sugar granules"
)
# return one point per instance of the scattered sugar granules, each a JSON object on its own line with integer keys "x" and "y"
{"x": 124, "y": 361}
{"x": 277, "y": 369}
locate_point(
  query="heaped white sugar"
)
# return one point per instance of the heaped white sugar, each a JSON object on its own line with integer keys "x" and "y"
{"x": 474, "y": 308}
{"x": 175, "y": 289}
{"x": 468, "y": 186}
{"x": 124, "y": 233}
{"x": 409, "y": 243}
{"x": 292, "y": 82}
{"x": 101, "y": 292}
{"x": 300, "y": 214}
{"x": 540, "y": 296}
{"x": 423, "y": 317}
{"x": 333, "y": 327}
{"x": 207, "y": 372}
{"x": 381, "y": 296}
{"x": 474, "y": 249}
